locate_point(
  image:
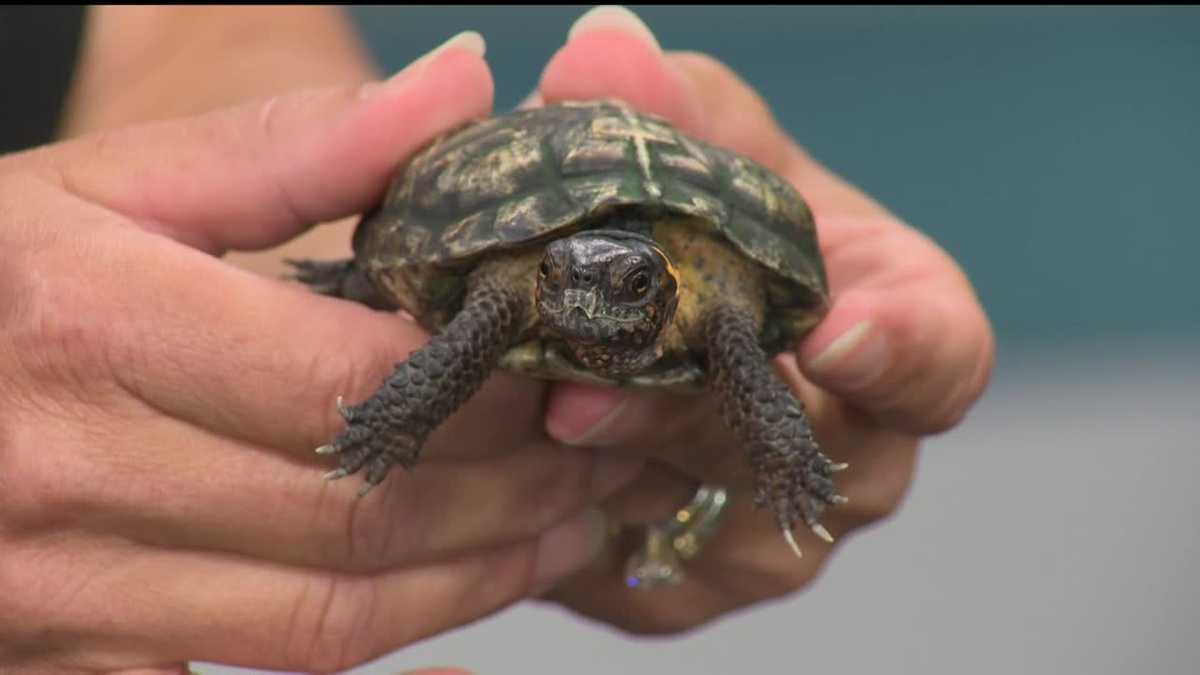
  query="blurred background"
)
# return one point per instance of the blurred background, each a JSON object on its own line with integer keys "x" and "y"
{"x": 1055, "y": 152}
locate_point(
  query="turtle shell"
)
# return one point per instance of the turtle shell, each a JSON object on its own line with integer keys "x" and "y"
{"x": 525, "y": 177}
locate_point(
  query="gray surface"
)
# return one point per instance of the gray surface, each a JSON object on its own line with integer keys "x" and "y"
{"x": 1054, "y": 532}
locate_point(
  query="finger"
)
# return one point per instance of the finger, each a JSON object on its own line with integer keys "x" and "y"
{"x": 915, "y": 354}
{"x": 241, "y": 355}
{"x": 610, "y": 53}
{"x": 654, "y": 496}
{"x": 906, "y": 339}
{"x": 174, "y": 669}
{"x": 737, "y": 118}
{"x": 231, "y": 498}
{"x": 689, "y": 434}
{"x": 256, "y": 175}
{"x": 130, "y": 605}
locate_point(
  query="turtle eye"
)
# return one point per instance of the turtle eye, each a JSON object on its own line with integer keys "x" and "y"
{"x": 544, "y": 270}
{"x": 639, "y": 284}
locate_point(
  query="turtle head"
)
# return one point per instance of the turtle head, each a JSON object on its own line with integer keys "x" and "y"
{"x": 610, "y": 295}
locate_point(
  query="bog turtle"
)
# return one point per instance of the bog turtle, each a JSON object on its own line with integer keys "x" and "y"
{"x": 587, "y": 241}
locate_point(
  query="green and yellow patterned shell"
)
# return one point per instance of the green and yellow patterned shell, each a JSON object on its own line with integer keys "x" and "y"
{"x": 523, "y": 178}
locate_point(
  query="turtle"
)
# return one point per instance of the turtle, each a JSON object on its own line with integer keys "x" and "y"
{"x": 591, "y": 242}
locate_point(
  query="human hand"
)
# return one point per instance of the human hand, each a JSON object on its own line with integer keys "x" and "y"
{"x": 159, "y": 501}
{"x": 905, "y": 350}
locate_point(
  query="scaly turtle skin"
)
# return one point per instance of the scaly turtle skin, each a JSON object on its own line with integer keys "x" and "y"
{"x": 586, "y": 241}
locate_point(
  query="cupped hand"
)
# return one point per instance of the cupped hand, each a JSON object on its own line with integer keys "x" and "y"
{"x": 159, "y": 499}
{"x": 904, "y": 351}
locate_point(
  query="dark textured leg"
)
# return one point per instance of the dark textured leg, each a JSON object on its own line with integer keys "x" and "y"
{"x": 339, "y": 279}
{"x": 792, "y": 476}
{"x": 390, "y": 427}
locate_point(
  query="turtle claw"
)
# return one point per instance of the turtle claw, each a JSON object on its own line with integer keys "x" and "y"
{"x": 368, "y": 442}
{"x": 322, "y": 276}
{"x": 342, "y": 409}
{"x": 347, "y": 438}
{"x": 817, "y": 529}
{"x": 378, "y": 434}
{"x": 791, "y": 540}
{"x": 793, "y": 477}
{"x": 377, "y": 471}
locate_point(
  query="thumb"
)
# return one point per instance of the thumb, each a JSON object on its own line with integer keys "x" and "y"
{"x": 256, "y": 175}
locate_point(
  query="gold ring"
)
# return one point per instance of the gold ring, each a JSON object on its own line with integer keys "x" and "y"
{"x": 658, "y": 562}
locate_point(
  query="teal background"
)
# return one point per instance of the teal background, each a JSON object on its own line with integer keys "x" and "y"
{"x": 1055, "y": 152}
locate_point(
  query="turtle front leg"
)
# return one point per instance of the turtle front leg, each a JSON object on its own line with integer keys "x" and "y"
{"x": 391, "y": 427}
{"x": 792, "y": 476}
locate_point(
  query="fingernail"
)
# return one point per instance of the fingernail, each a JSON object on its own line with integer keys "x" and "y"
{"x": 855, "y": 358}
{"x": 613, "y": 16}
{"x": 567, "y": 548}
{"x": 468, "y": 40}
{"x": 533, "y": 100}
{"x": 594, "y": 416}
{"x": 613, "y": 473}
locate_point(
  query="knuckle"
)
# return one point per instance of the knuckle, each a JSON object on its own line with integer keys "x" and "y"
{"x": 59, "y": 337}
{"x": 30, "y": 586}
{"x": 728, "y": 96}
{"x": 274, "y": 121}
{"x": 669, "y": 619}
{"x": 778, "y": 583}
{"x": 949, "y": 414}
{"x": 763, "y": 567}
{"x": 777, "y": 574}
{"x": 276, "y": 118}
{"x": 27, "y": 494}
{"x": 981, "y": 370}
{"x": 376, "y": 541}
{"x": 882, "y": 485}
{"x": 702, "y": 65}
{"x": 61, "y": 325}
{"x": 969, "y": 379}
{"x": 331, "y": 624}
{"x": 10, "y": 589}
{"x": 557, "y": 485}
{"x": 267, "y": 126}
{"x": 102, "y": 145}
{"x": 326, "y": 374}
{"x": 353, "y": 374}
